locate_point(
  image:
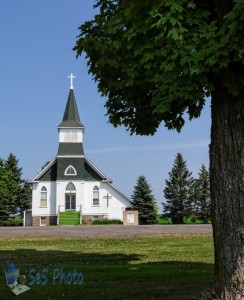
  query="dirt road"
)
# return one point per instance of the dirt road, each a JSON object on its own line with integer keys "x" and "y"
{"x": 117, "y": 231}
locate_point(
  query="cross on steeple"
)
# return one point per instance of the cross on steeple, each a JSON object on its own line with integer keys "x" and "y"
{"x": 71, "y": 80}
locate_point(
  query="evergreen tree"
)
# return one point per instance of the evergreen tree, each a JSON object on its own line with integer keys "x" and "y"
{"x": 23, "y": 200}
{"x": 202, "y": 200}
{"x": 7, "y": 193}
{"x": 178, "y": 191}
{"x": 46, "y": 163}
{"x": 11, "y": 164}
{"x": 15, "y": 193}
{"x": 144, "y": 202}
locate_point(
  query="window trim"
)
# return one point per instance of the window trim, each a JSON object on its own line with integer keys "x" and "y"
{"x": 70, "y": 190}
{"x": 68, "y": 168}
{"x": 43, "y": 191}
{"x": 95, "y": 189}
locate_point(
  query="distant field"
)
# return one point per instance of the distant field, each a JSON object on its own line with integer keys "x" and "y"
{"x": 168, "y": 268}
{"x": 186, "y": 221}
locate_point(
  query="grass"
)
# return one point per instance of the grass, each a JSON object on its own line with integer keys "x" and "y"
{"x": 164, "y": 267}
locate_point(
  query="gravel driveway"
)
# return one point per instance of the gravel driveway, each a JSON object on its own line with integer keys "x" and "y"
{"x": 116, "y": 231}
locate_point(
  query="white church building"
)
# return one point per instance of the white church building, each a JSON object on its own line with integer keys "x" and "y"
{"x": 71, "y": 189}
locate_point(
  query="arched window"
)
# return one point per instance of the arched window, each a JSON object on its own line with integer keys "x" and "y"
{"x": 70, "y": 187}
{"x": 70, "y": 171}
{"x": 95, "y": 195}
{"x": 43, "y": 201}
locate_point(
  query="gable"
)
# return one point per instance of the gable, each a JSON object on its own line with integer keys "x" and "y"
{"x": 76, "y": 162}
{"x": 85, "y": 170}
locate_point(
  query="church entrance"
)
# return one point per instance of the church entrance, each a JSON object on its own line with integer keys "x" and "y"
{"x": 70, "y": 197}
{"x": 70, "y": 202}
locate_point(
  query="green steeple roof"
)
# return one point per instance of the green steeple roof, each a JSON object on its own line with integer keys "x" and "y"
{"x": 71, "y": 116}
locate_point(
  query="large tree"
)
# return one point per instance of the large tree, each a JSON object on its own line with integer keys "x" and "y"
{"x": 144, "y": 201}
{"x": 178, "y": 191}
{"x": 157, "y": 61}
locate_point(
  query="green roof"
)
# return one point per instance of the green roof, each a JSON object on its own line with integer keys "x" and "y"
{"x": 70, "y": 149}
{"x": 50, "y": 174}
{"x": 71, "y": 116}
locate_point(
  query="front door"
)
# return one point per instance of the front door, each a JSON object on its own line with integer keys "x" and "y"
{"x": 70, "y": 202}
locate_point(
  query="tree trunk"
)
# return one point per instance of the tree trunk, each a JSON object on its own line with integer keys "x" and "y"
{"x": 227, "y": 194}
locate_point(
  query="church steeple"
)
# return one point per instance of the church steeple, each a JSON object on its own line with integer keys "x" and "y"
{"x": 71, "y": 129}
{"x": 71, "y": 116}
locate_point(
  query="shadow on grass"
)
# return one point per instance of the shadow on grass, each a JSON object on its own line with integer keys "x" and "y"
{"x": 106, "y": 276}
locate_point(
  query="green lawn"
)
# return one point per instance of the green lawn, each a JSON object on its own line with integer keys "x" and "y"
{"x": 166, "y": 267}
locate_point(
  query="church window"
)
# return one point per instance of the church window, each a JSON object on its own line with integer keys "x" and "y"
{"x": 96, "y": 196}
{"x": 70, "y": 171}
{"x": 70, "y": 187}
{"x": 43, "y": 202}
{"x": 70, "y": 136}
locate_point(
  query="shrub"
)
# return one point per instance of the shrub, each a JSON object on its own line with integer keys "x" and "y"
{"x": 86, "y": 222}
{"x": 106, "y": 222}
{"x": 12, "y": 222}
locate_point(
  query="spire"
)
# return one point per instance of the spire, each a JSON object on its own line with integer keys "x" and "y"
{"x": 71, "y": 111}
{"x": 71, "y": 116}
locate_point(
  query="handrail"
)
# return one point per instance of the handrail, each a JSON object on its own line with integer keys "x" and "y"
{"x": 58, "y": 215}
{"x": 80, "y": 214}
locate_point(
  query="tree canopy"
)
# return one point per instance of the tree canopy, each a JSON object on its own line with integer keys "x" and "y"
{"x": 156, "y": 60}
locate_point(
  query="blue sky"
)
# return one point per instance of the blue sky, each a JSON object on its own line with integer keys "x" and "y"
{"x": 37, "y": 38}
